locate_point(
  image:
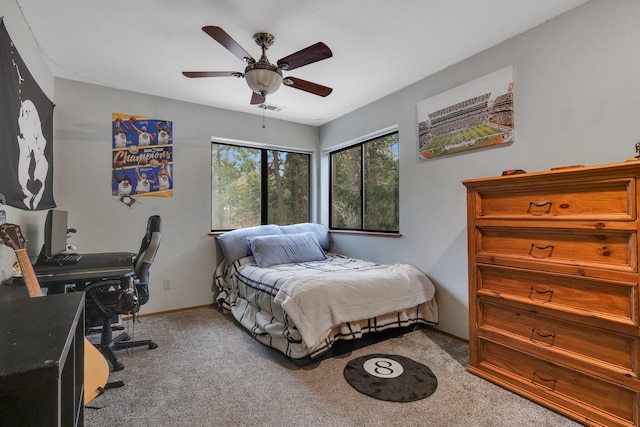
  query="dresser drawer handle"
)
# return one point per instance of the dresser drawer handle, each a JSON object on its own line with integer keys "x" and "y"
{"x": 541, "y": 248}
{"x": 539, "y": 205}
{"x": 533, "y": 290}
{"x": 534, "y": 333}
{"x": 546, "y": 381}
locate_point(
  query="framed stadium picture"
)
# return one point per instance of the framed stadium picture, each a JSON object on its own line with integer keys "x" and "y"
{"x": 474, "y": 115}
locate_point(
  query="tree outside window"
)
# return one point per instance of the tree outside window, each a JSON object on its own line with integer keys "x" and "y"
{"x": 365, "y": 186}
{"x": 254, "y": 186}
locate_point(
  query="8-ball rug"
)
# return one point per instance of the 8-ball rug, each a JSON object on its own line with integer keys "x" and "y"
{"x": 390, "y": 377}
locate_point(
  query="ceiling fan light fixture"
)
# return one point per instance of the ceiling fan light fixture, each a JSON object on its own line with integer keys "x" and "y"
{"x": 263, "y": 79}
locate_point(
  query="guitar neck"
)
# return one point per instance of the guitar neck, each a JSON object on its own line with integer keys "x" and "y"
{"x": 30, "y": 278}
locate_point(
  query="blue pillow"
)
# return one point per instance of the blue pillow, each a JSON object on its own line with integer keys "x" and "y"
{"x": 321, "y": 231}
{"x": 285, "y": 249}
{"x": 234, "y": 243}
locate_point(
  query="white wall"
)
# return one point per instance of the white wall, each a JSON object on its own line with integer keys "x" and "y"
{"x": 577, "y": 101}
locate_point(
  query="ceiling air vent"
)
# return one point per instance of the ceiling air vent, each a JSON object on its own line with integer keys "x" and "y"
{"x": 270, "y": 107}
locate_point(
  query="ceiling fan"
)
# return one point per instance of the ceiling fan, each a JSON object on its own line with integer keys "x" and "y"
{"x": 262, "y": 76}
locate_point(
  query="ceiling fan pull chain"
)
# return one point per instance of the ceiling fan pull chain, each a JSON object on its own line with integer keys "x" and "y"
{"x": 264, "y": 107}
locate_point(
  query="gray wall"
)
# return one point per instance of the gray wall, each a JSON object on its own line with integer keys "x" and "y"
{"x": 577, "y": 101}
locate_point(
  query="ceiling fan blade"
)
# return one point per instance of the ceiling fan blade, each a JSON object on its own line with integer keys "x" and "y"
{"x": 221, "y": 36}
{"x": 308, "y": 55}
{"x": 256, "y": 98}
{"x": 195, "y": 74}
{"x": 306, "y": 86}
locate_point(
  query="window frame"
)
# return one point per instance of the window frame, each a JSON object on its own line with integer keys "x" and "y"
{"x": 361, "y": 142}
{"x": 264, "y": 182}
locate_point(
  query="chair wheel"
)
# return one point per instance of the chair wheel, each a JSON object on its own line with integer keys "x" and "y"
{"x": 152, "y": 346}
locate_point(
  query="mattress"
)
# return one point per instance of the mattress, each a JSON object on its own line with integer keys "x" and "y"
{"x": 302, "y": 309}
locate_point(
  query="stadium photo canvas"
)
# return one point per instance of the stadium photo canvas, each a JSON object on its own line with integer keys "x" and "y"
{"x": 474, "y": 115}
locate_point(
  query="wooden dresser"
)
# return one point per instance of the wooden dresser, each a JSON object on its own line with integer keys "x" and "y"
{"x": 553, "y": 289}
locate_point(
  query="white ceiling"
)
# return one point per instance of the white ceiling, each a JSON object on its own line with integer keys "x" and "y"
{"x": 379, "y": 46}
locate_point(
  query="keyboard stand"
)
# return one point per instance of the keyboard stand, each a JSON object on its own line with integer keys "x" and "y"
{"x": 91, "y": 267}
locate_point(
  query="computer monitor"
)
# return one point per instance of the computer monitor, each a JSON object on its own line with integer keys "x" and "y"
{"x": 55, "y": 233}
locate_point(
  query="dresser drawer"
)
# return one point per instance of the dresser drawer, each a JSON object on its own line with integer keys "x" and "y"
{"x": 610, "y": 300}
{"x": 585, "y": 343}
{"x": 610, "y": 199}
{"x": 604, "y": 249}
{"x": 563, "y": 388}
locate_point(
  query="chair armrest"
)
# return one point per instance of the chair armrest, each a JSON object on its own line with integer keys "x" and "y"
{"x": 142, "y": 289}
{"x": 114, "y": 296}
{"x": 98, "y": 291}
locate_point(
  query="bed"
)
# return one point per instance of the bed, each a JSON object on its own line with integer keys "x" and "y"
{"x": 285, "y": 286}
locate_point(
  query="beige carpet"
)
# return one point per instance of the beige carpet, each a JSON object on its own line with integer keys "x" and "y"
{"x": 207, "y": 371}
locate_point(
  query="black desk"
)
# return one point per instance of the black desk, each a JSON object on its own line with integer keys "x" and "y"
{"x": 109, "y": 265}
{"x": 91, "y": 267}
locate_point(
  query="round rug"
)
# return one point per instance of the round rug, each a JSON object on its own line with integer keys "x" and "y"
{"x": 390, "y": 377}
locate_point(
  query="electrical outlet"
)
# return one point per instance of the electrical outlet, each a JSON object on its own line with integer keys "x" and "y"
{"x": 166, "y": 284}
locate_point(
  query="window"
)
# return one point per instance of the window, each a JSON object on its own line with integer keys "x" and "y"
{"x": 364, "y": 187}
{"x": 253, "y": 186}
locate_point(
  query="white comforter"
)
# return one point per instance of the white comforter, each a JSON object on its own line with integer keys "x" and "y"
{"x": 319, "y": 296}
{"x": 318, "y": 301}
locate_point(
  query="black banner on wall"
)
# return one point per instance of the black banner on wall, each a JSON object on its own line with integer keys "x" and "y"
{"x": 26, "y": 133}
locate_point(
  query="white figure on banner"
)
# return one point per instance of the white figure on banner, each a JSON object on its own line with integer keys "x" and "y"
{"x": 33, "y": 166}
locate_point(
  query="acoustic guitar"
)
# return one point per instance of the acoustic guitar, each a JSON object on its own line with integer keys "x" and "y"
{"x": 96, "y": 368}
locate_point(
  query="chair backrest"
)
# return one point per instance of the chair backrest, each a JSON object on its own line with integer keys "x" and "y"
{"x": 115, "y": 297}
{"x": 148, "y": 249}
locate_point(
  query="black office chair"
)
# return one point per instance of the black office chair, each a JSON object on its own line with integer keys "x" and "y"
{"x": 106, "y": 300}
